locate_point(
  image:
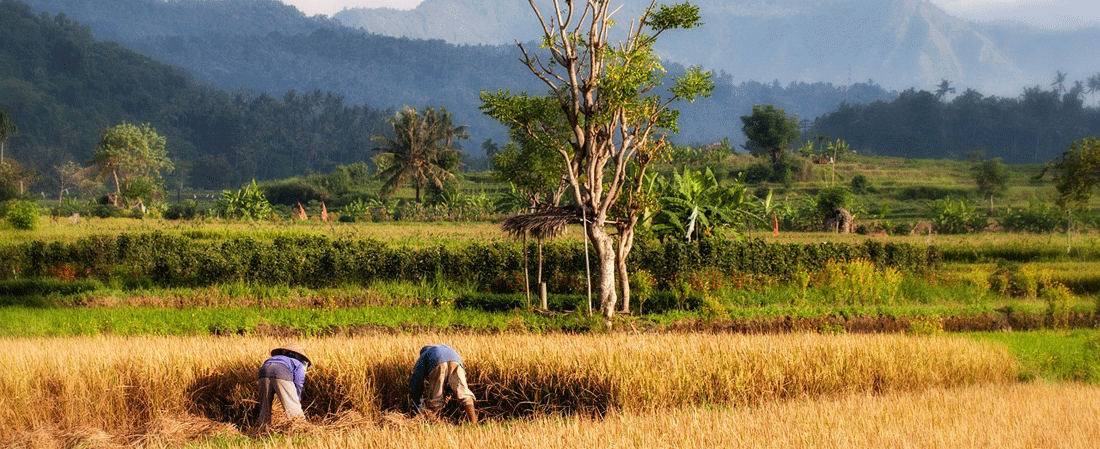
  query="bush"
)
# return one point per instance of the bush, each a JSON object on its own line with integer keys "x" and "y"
{"x": 861, "y": 185}
{"x": 951, "y": 216}
{"x": 310, "y": 260}
{"x": 292, "y": 191}
{"x": 1039, "y": 217}
{"x": 757, "y": 173}
{"x": 187, "y": 211}
{"x": 248, "y": 203}
{"x": 22, "y": 214}
{"x": 833, "y": 198}
{"x": 106, "y": 211}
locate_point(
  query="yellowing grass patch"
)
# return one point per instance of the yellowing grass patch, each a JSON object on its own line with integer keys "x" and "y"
{"x": 123, "y": 387}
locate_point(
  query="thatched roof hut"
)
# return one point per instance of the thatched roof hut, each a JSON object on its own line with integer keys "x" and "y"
{"x": 546, "y": 223}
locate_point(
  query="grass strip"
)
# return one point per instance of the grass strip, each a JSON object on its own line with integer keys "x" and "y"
{"x": 1052, "y": 355}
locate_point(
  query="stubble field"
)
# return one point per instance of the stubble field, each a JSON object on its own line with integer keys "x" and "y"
{"x": 619, "y": 390}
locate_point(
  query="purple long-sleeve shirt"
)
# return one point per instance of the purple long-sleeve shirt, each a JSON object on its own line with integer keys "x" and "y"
{"x": 285, "y": 368}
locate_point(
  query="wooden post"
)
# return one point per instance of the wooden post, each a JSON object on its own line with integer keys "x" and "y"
{"x": 542, "y": 296}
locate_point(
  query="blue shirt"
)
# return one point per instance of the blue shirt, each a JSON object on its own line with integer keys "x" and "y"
{"x": 285, "y": 368}
{"x": 430, "y": 357}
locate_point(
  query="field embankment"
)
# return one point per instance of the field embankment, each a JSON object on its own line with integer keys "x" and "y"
{"x": 126, "y": 387}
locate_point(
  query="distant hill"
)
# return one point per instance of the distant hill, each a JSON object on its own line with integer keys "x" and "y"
{"x": 898, "y": 43}
{"x": 283, "y": 49}
{"x": 62, "y": 88}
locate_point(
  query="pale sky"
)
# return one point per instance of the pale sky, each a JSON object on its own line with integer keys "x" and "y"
{"x": 1039, "y": 13}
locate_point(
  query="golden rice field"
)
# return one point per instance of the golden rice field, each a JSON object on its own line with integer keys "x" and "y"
{"x": 534, "y": 390}
{"x": 1003, "y": 417}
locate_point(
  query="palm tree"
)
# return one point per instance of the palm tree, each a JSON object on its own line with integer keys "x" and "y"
{"x": 1094, "y": 85}
{"x": 1059, "y": 84}
{"x": 420, "y": 151}
{"x": 7, "y": 129}
{"x": 943, "y": 89}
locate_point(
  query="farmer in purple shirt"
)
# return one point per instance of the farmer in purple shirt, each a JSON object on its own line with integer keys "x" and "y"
{"x": 439, "y": 365}
{"x": 284, "y": 374}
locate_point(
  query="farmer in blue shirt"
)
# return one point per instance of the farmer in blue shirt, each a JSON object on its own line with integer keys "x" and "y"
{"x": 284, "y": 375}
{"x": 439, "y": 365}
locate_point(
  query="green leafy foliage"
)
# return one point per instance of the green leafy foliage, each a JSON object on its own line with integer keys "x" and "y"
{"x": 63, "y": 88}
{"x": 955, "y": 216}
{"x": 991, "y": 177}
{"x": 693, "y": 205}
{"x": 13, "y": 180}
{"x": 168, "y": 260}
{"x": 833, "y": 198}
{"x": 22, "y": 215}
{"x": 133, "y": 157}
{"x": 421, "y": 150}
{"x": 770, "y": 132}
{"x": 247, "y": 203}
{"x": 917, "y": 124}
{"x": 1078, "y": 172}
{"x": 1038, "y": 217}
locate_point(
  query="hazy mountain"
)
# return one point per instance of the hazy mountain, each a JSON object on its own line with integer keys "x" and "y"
{"x": 268, "y": 48}
{"x": 132, "y": 20}
{"x": 898, "y": 43}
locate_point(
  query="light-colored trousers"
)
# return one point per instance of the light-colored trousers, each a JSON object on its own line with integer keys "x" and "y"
{"x": 447, "y": 373}
{"x": 268, "y": 388}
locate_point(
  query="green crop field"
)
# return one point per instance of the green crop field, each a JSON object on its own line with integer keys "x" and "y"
{"x": 145, "y": 332}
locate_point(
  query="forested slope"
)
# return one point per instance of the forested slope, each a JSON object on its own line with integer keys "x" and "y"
{"x": 1033, "y": 128}
{"x": 62, "y": 88}
{"x": 273, "y": 51}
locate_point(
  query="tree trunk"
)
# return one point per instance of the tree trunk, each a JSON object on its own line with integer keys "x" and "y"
{"x": 604, "y": 246}
{"x": 542, "y": 286}
{"x": 626, "y": 243}
{"x": 526, "y": 274}
{"x": 118, "y": 188}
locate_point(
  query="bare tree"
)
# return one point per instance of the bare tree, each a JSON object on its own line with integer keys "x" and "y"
{"x": 606, "y": 96}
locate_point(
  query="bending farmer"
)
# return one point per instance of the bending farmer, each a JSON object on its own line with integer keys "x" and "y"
{"x": 439, "y": 365}
{"x": 283, "y": 374}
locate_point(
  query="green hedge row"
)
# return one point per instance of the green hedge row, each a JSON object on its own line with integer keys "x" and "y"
{"x": 317, "y": 261}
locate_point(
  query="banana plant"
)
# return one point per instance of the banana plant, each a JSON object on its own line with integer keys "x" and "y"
{"x": 694, "y": 204}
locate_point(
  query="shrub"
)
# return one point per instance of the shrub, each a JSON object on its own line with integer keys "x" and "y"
{"x": 955, "y": 216}
{"x": 310, "y": 260}
{"x": 860, "y": 282}
{"x": 22, "y": 214}
{"x": 833, "y": 198}
{"x": 292, "y": 191}
{"x": 642, "y": 286}
{"x": 186, "y": 211}
{"x": 1058, "y": 299}
{"x": 926, "y": 325}
{"x": 1039, "y": 217}
{"x": 861, "y": 185}
{"x": 106, "y": 211}
{"x": 248, "y": 203}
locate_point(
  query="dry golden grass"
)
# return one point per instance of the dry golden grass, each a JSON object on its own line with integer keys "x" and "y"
{"x": 122, "y": 388}
{"x": 1004, "y": 417}
{"x": 984, "y": 416}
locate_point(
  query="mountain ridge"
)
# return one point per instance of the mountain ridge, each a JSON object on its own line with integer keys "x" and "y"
{"x": 910, "y": 43}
